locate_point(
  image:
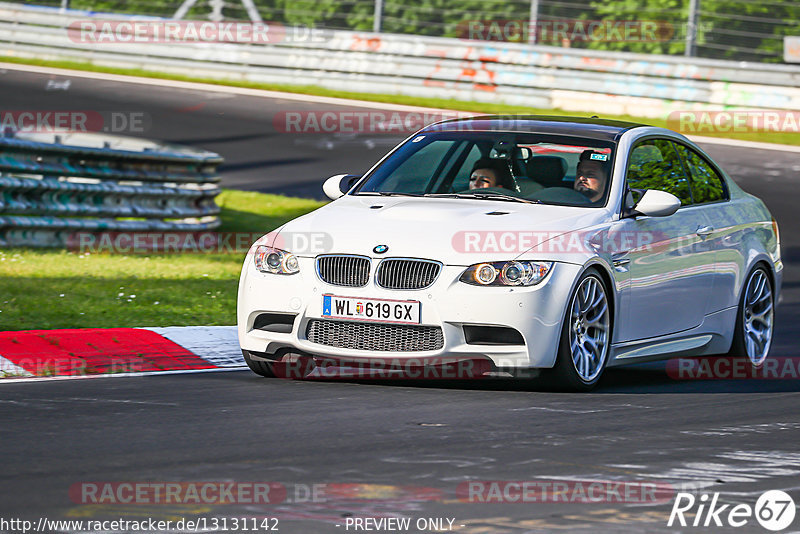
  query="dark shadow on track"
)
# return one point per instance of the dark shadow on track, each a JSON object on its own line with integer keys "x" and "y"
{"x": 650, "y": 378}
{"x": 229, "y": 139}
{"x": 264, "y": 163}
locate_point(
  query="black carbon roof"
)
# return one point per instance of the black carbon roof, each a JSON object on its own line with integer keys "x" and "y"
{"x": 594, "y": 128}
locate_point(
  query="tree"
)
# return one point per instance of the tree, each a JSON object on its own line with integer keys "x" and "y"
{"x": 748, "y": 30}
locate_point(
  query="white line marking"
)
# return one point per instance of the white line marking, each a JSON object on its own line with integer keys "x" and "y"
{"x": 118, "y": 375}
{"x": 558, "y": 410}
{"x": 742, "y": 466}
{"x": 96, "y": 400}
{"x": 218, "y": 345}
{"x": 744, "y": 144}
{"x": 7, "y": 367}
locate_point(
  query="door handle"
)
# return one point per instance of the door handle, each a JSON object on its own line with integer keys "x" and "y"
{"x": 704, "y": 231}
{"x": 620, "y": 262}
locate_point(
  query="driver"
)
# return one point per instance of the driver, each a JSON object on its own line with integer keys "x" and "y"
{"x": 489, "y": 172}
{"x": 591, "y": 175}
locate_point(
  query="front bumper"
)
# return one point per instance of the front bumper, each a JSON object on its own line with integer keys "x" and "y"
{"x": 535, "y": 312}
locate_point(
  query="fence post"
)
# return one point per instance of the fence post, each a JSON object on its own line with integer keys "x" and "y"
{"x": 691, "y": 28}
{"x": 533, "y": 30}
{"x": 377, "y": 18}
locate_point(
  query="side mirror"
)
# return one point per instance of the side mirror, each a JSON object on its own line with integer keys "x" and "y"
{"x": 655, "y": 203}
{"x": 336, "y": 186}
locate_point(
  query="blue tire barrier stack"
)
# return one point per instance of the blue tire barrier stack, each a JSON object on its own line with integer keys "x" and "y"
{"x": 49, "y": 191}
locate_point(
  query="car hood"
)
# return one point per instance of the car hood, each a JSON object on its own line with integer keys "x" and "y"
{"x": 454, "y": 231}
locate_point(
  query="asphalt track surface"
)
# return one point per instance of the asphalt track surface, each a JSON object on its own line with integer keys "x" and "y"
{"x": 407, "y": 444}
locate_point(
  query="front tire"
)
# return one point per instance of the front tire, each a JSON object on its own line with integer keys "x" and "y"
{"x": 585, "y": 336}
{"x": 265, "y": 369}
{"x": 755, "y": 322}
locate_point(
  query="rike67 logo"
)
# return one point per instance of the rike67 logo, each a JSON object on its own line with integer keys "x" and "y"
{"x": 774, "y": 510}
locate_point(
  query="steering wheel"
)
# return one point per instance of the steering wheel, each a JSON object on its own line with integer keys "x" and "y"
{"x": 561, "y": 194}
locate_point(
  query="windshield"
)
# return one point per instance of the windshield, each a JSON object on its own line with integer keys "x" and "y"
{"x": 519, "y": 167}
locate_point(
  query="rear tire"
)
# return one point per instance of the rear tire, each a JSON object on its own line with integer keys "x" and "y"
{"x": 755, "y": 318}
{"x": 265, "y": 369}
{"x": 585, "y": 336}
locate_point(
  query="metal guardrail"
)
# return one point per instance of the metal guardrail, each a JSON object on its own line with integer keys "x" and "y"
{"x": 513, "y": 73}
{"x": 50, "y": 191}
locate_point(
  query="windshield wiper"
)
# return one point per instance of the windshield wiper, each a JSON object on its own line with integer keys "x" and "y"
{"x": 387, "y": 194}
{"x": 484, "y": 196}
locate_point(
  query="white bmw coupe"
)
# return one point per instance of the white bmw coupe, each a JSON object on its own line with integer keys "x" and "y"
{"x": 545, "y": 246}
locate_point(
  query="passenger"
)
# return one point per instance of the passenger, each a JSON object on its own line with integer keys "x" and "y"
{"x": 591, "y": 175}
{"x": 490, "y": 173}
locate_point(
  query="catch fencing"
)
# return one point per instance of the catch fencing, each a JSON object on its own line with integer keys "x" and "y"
{"x": 511, "y": 73}
{"x": 739, "y": 30}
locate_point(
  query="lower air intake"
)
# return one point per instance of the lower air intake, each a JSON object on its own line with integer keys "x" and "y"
{"x": 376, "y": 337}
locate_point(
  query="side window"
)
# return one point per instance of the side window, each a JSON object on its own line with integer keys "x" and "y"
{"x": 707, "y": 184}
{"x": 654, "y": 164}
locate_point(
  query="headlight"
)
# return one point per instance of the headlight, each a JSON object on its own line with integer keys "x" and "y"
{"x": 275, "y": 261}
{"x": 507, "y": 273}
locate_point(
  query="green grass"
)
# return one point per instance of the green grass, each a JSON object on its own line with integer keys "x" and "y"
{"x": 786, "y": 138}
{"x": 46, "y": 289}
{"x": 247, "y": 211}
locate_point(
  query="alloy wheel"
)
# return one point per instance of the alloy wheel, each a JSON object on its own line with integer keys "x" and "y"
{"x": 589, "y": 328}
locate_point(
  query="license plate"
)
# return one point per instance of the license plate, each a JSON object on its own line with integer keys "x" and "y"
{"x": 377, "y": 310}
